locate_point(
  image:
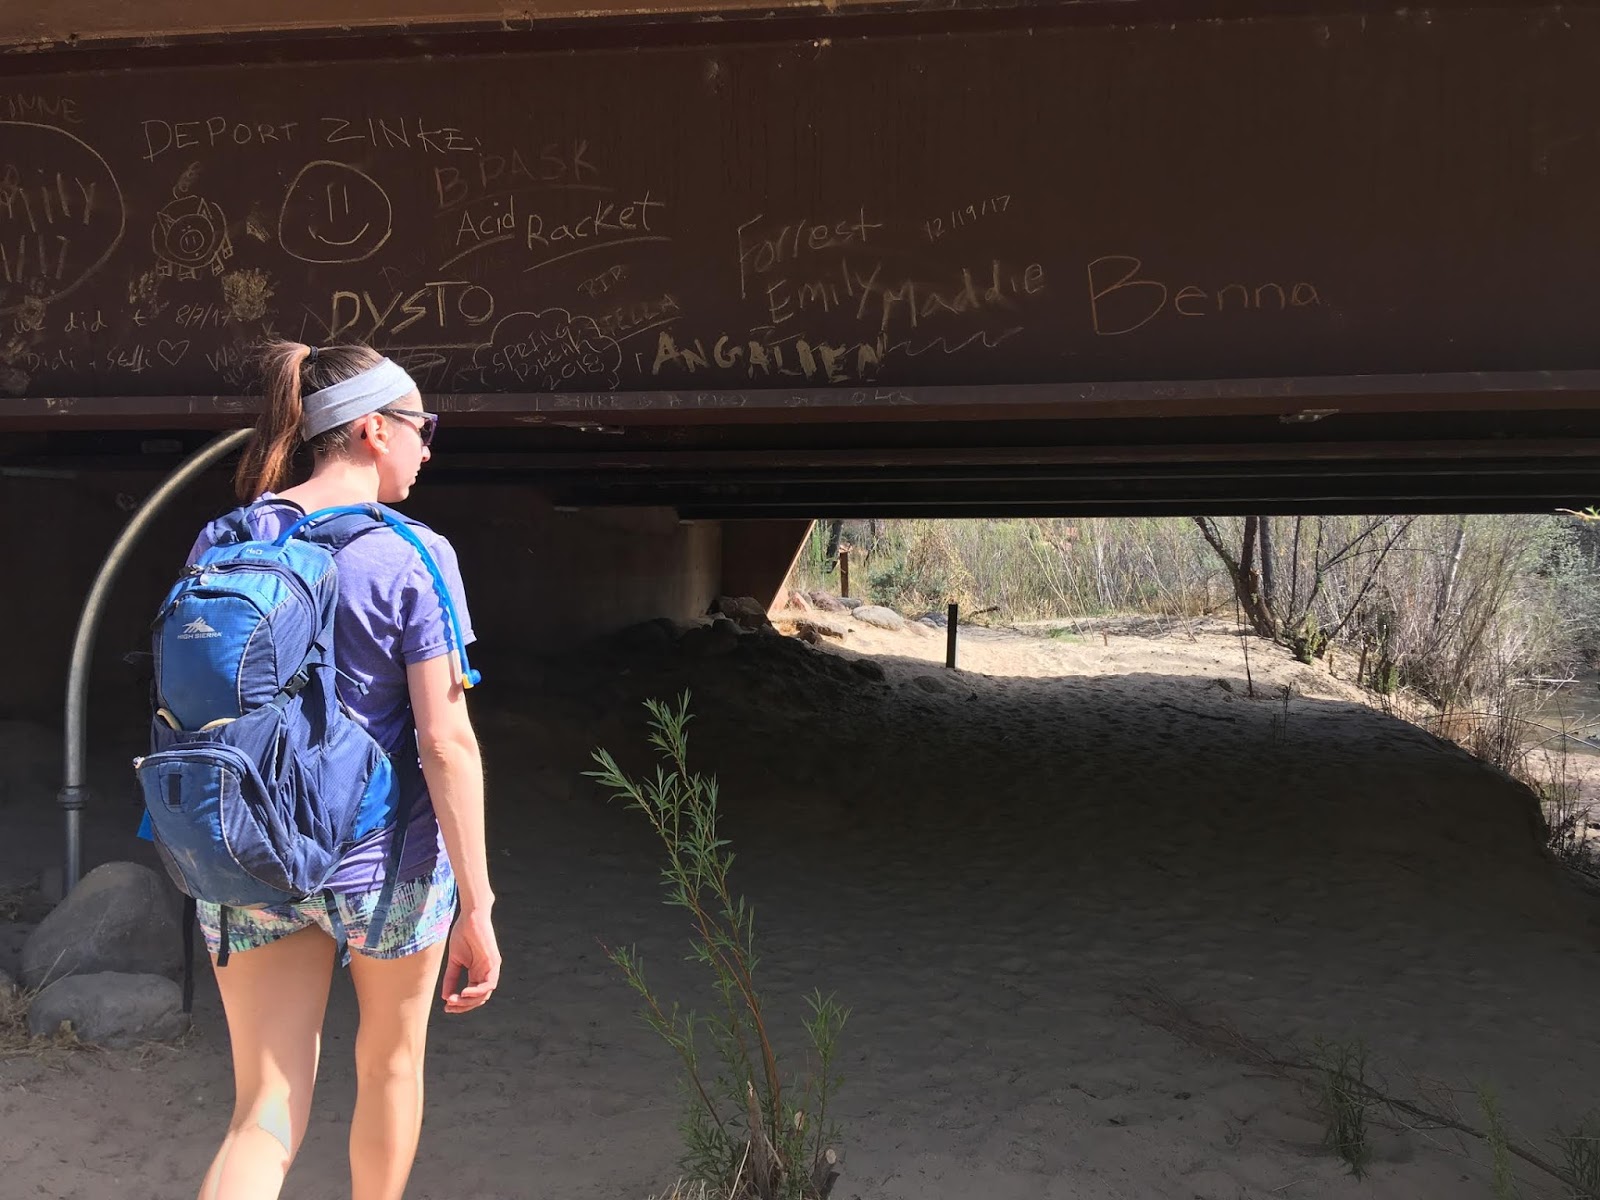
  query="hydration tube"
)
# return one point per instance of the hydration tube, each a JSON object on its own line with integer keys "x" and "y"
{"x": 468, "y": 677}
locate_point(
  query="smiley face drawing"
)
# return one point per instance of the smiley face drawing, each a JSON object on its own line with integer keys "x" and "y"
{"x": 334, "y": 213}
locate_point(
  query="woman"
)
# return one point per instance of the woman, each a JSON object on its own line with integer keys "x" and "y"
{"x": 362, "y": 419}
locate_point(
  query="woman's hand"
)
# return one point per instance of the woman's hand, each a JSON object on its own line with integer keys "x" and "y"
{"x": 473, "y": 950}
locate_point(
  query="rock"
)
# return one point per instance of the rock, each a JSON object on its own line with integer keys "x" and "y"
{"x": 869, "y": 669}
{"x": 797, "y": 601}
{"x": 818, "y": 627}
{"x": 851, "y": 602}
{"x": 647, "y": 636}
{"x": 31, "y": 755}
{"x": 120, "y": 917}
{"x": 934, "y": 620}
{"x": 744, "y": 611}
{"x": 111, "y": 1008}
{"x": 827, "y": 603}
{"x": 876, "y": 615}
{"x": 708, "y": 641}
{"x": 931, "y": 683}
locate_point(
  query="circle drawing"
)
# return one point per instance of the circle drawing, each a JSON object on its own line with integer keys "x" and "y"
{"x": 334, "y": 213}
{"x": 61, "y": 214}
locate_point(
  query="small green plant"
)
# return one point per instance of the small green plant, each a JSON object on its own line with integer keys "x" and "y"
{"x": 1580, "y": 1155}
{"x": 1309, "y": 641}
{"x": 1346, "y": 1096}
{"x": 1503, "y": 1181}
{"x": 1385, "y": 677}
{"x": 748, "y": 1135}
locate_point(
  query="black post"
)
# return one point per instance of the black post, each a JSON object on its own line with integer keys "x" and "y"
{"x": 952, "y": 619}
{"x": 844, "y": 570}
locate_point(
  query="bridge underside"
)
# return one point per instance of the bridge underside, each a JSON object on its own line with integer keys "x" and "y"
{"x": 1331, "y": 453}
{"x": 797, "y": 261}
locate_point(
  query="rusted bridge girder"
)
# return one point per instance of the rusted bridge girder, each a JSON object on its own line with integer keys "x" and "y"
{"x": 789, "y": 259}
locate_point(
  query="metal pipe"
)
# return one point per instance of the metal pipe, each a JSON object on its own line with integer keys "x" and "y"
{"x": 74, "y": 794}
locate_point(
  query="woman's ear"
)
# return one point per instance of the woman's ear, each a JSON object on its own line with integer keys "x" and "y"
{"x": 368, "y": 432}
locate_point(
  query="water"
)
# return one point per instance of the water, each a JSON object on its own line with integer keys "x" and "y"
{"x": 1573, "y": 709}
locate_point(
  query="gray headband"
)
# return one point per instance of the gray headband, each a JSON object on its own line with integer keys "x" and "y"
{"x": 351, "y": 399}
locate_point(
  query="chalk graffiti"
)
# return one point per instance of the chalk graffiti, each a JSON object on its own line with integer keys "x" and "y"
{"x": 61, "y": 213}
{"x": 190, "y": 235}
{"x": 334, "y": 213}
{"x": 552, "y": 350}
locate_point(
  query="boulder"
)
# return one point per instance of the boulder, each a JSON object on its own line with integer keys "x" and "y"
{"x": 797, "y": 601}
{"x": 930, "y": 683}
{"x": 708, "y": 641}
{"x": 827, "y": 603}
{"x": 744, "y": 611}
{"x": 877, "y": 615}
{"x": 851, "y": 602}
{"x": 111, "y": 1009}
{"x": 121, "y": 917}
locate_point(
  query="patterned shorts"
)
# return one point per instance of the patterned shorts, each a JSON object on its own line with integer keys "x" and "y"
{"x": 419, "y": 916}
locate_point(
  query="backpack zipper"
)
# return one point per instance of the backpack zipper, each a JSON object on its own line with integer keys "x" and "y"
{"x": 274, "y": 568}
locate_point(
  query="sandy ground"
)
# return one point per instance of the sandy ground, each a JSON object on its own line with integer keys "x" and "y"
{"x": 991, "y": 868}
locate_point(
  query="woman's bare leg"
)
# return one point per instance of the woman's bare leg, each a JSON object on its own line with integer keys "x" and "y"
{"x": 395, "y": 995}
{"x": 275, "y": 997}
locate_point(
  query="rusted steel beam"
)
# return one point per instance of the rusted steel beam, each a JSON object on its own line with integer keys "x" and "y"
{"x": 83, "y": 27}
{"x": 822, "y": 231}
{"x": 1297, "y": 399}
{"x": 710, "y": 462}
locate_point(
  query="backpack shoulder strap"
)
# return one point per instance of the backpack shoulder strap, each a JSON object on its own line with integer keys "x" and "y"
{"x": 235, "y": 526}
{"x": 335, "y": 528}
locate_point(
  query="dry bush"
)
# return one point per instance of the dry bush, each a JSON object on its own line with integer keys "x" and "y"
{"x": 1456, "y": 608}
{"x": 1023, "y": 569}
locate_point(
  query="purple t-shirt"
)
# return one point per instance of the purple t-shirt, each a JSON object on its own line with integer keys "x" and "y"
{"x": 389, "y": 616}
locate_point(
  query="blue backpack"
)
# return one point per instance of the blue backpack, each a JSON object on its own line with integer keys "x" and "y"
{"x": 258, "y": 779}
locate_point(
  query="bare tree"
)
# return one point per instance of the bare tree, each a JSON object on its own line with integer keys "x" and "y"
{"x": 1290, "y": 619}
{"x": 1242, "y": 571}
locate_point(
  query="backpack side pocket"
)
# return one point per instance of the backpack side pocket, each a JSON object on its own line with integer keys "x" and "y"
{"x": 213, "y": 824}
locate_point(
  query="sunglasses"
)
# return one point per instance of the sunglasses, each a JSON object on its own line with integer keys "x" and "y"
{"x": 430, "y": 421}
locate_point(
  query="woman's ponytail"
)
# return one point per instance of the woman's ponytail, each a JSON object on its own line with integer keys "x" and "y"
{"x": 265, "y": 466}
